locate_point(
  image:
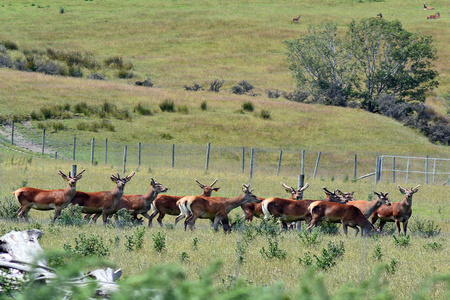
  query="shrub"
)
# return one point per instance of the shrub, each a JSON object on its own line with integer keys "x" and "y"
{"x": 9, "y": 208}
{"x": 136, "y": 241}
{"x": 167, "y": 105}
{"x": 425, "y": 228}
{"x": 204, "y": 106}
{"x": 309, "y": 238}
{"x": 148, "y": 82}
{"x": 265, "y": 114}
{"x": 329, "y": 228}
{"x": 125, "y": 74}
{"x": 49, "y": 68}
{"x": 391, "y": 268}
{"x": 216, "y": 85}
{"x": 273, "y": 94}
{"x": 58, "y": 126}
{"x": 377, "y": 254}
{"x": 61, "y": 10}
{"x": 273, "y": 251}
{"x": 124, "y": 219}
{"x": 195, "y": 87}
{"x": 248, "y": 106}
{"x": 401, "y": 241}
{"x": 159, "y": 242}
{"x": 433, "y": 246}
{"x": 296, "y": 96}
{"x": 96, "y": 76}
{"x": 5, "y": 61}
{"x": 142, "y": 110}
{"x": 242, "y": 88}
{"x": 71, "y": 216}
{"x": 75, "y": 71}
{"x": 10, "y": 45}
{"x": 329, "y": 255}
{"x": 166, "y": 136}
{"x": 88, "y": 246}
{"x": 194, "y": 244}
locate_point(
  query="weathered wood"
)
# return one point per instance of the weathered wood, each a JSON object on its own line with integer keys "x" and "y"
{"x": 20, "y": 253}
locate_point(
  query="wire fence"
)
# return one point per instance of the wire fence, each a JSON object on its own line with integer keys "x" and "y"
{"x": 246, "y": 160}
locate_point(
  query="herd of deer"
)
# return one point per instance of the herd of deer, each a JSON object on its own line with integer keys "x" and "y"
{"x": 380, "y": 15}
{"x": 336, "y": 207}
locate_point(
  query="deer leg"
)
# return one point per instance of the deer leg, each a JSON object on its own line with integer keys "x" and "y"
{"x": 397, "y": 222}
{"x": 87, "y": 216}
{"x": 344, "y": 226}
{"x": 95, "y": 217}
{"x": 151, "y": 217}
{"x": 160, "y": 218}
{"x": 381, "y": 225}
{"x": 405, "y": 225}
{"x": 57, "y": 214}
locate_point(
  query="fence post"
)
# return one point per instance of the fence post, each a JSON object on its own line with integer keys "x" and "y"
{"x": 426, "y": 170}
{"x": 317, "y": 164}
{"x": 139, "y": 154}
{"x": 434, "y": 169}
{"x": 173, "y": 156}
{"x": 106, "y": 151}
{"x": 355, "y": 166}
{"x": 279, "y": 162}
{"x": 92, "y": 150}
{"x": 56, "y": 154}
{"x": 377, "y": 169}
{"x": 208, "y": 149}
{"x": 74, "y": 146}
{"x": 12, "y": 133}
{"x": 124, "y": 159}
{"x": 74, "y": 170}
{"x": 43, "y": 141}
{"x": 251, "y": 163}
{"x": 243, "y": 159}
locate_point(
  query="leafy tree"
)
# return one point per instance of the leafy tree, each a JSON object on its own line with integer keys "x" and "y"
{"x": 321, "y": 64}
{"x": 391, "y": 61}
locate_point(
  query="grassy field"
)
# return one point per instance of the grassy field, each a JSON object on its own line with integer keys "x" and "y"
{"x": 411, "y": 264}
{"x": 177, "y": 43}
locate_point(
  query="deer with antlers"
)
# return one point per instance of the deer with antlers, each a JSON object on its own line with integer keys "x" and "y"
{"x": 255, "y": 209}
{"x": 215, "y": 209}
{"x": 296, "y": 19}
{"x": 425, "y": 7}
{"x": 435, "y": 16}
{"x": 398, "y": 212}
{"x": 102, "y": 203}
{"x": 167, "y": 204}
{"x": 38, "y": 199}
{"x": 368, "y": 207}
{"x": 287, "y": 210}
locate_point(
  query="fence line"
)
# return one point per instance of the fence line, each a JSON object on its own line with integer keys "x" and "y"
{"x": 261, "y": 160}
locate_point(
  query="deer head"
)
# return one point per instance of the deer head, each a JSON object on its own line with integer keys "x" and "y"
{"x": 72, "y": 180}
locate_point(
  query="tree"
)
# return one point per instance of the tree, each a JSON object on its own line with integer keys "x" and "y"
{"x": 374, "y": 58}
{"x": 391, "y": 61}
{"x": 321, "y": 64}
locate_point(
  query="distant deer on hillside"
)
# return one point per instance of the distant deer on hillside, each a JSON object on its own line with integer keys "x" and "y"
{"x": 425, "y": 7}
{"x": 436, "y": 16}
{"x": 295, "y": 19}
{"x": 379, "y": 16}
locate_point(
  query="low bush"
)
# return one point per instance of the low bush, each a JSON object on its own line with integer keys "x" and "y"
{"x": 296, "y": 96}
{"x": 159, "y": 241}
{"x": 273, "y": 94}
{"x": 242, "y": 87}
{"x": 147, "y": 82}
{"x": 216, "y": 85}
{"x": 273, "y": 251}
{"x": 248, "y": 106}
{"x": 71, "y": 216}
{"x": 91, "y": 245}
{"x": 426, "y": 228}
{"x": 96, "y": 76}
{"x": 167, "y": 105}
{"x": 204, "y": 106}
{"x": 195, "y": 87}
{"x": 8, "y": 208}
{"x": 142, "y": 110}
{"x": 265, "y": 114}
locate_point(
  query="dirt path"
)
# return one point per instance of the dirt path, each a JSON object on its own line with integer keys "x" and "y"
{"x": 21, "y": 141}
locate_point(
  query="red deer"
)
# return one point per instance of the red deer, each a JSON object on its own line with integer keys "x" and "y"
{"x": 139, "y": 204}
{"x": 368, "y": 207}
{"x": 398, "y": 212}
{"x": 379, "y": 16}
{"x": 436, "y": 16}
{"x": 102, "y": 202}
{"x": 255, "y": 209}
{"x": 287, "y": 210}
{"x": 333, "y": 212}
{"x": 295, "y": 19}
{"x": 215, "y": 209}
{"x": 167, "y": 204}
{"x": 425, "y": 7}
{"x": 47, "y": 199}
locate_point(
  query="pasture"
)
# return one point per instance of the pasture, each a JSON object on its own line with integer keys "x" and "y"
{"x": 408, "y": 266}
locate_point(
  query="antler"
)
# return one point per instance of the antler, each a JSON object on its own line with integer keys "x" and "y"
{"x": 246, "y": 188}
{"x": 78, "y": 176}
{"x": 288, "y": 188}
{"x": 128, "y": 178}
{"x": 304, "y": 187}
{"x": 200, "y": 184}
{"x": 214, "y": 182}
{"x": 62, "y": 174}
{"x": 414, "y": 190}
{"x": 327, "y": 191}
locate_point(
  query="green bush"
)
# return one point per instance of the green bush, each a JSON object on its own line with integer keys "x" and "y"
{"x": 248, "y": 106}
{"x": 204, "y": 106}
{"x": 273, "y": 251}
{"x": 142, "y": 110}
{"x": 71, "y": 216}
{"x": 92, "y": 245}
{"x": 167, "y": 105}
{"x": 8, "y": 208}
{"x": 159, "y": 241}
{"x": 402, "y": 241}
{"x": 265, "y": 114}
{"x": 426, "y": 228}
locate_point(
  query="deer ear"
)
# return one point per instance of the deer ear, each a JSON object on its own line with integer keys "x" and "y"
{"x": 216, "y": 189}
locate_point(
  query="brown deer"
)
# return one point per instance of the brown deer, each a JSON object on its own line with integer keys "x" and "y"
{"x": 255, "y": 209}
{"x": 38, "y": 199}
{"x": 379, "y": 16}
{"x": 167, "y": 204}
{"x": 296, "y": 19}
{"x": 368, "y": 207}
{"x": 398, "y": 212}
{"x": 425, "y": 7}
{"x": 332, "y": 212}
{"x": 436, "y": 16}
{"x": 139, "y": 204}
{"x": 287, "y": 210}
{"x": 102, "y": 203}
{"x": 215, "y": 209}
